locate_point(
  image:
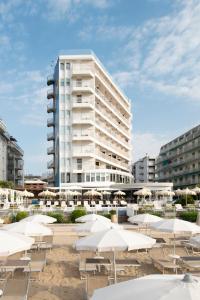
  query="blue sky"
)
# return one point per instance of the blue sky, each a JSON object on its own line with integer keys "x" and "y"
{"x": 151, "y": 48}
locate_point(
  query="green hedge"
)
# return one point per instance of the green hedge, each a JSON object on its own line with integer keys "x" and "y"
{"x": 182, "y": 200}
{"x": 19, "y": 216}
{"x": 58, "y": 216}
{"x": 190, "y": 216}
{"x": 77, "y": 213}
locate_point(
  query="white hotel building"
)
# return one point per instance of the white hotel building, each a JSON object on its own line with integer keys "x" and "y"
{"x": 90, "y": 125}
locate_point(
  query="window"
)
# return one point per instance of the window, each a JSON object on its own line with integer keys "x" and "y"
{"x": 79, "y": 98}
{"x": 61, "y": 66}
{"x": 67, "y": 97}
{"x": 62, "y": 82}
{"x": 92, "y": 176}
{"x": 79, "y": 163}
{"x": 79, "y": 177}
{"x": 62, "y": 177}
{"x": 88, "y": 177}
{"x": 68, "y": 177}
{"x": 97, "y": 176}
{"x": 67, "y": 82}
{"x": 67, "y": 66}
{"x": 79, "y": 82}
{"x": 62, "y": 98}
{"x": 97, "y": 163}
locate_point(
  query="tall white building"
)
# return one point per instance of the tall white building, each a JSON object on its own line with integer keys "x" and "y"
{"x": 90, "y": 124}
{"x": 4, "y": 138}
{"x": 144, "y": 170}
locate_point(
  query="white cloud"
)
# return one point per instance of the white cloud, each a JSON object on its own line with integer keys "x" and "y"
{"x": 147, "y": 143}
{"x": 164, "y": 53}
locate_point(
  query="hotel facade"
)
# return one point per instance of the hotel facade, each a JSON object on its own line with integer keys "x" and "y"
{"x": 11, "y": 158}
{"x": 144, "y": 169}
{"x": 179, "y": 160}
{"x": 90, "y": 125}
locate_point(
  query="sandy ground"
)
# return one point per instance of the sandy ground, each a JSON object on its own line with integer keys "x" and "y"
{"x": 61, "y": 278}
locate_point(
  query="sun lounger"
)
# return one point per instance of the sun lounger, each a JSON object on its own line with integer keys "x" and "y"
{"x": 165, "y": 264}
{"x": 191, "y": 248}
{"x": 16, "y": 289}
{"x": 179, "y": 207}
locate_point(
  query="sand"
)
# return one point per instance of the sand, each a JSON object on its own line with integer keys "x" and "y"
{"x": 61, "y": 278}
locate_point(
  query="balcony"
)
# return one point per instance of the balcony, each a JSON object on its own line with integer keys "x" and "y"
{"x": 83, "y": 103}
{"x": 50, "y": 94}
{"x": 50, "y": 136}
{"x": 50, "y": 150}
{"x": 117, "y": 162}
{"x": 51, "y": 108}
{"x": 50, "y": 80}
{"x": 83, "y": 152}
{"x": 50, "y": 164}
{"x": 84, "y": 135}
{"x": 50, "y": 122}
{"x": 19, "y": 165}
{"x": 84, "y": 87}
{"x": 83, "y": 119}
{"x": 83, "y": 71}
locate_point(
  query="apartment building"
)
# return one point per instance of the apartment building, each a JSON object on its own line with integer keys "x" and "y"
{"x": 179, "y": 160}
{"x": 144, "y": 170}
{"x": 90, "y": 124}
{"x": 4, "y": 138}
{"x": 11, "y": 157}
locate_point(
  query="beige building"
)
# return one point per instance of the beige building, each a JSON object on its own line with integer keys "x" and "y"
{"x": 90, "y": 124}
{"x": 179, "y": 160}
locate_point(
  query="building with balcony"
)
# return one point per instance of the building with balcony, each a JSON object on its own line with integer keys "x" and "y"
{"x": 179, "y": 160}
{"x": 11, "y": 158}
{"x": 144, "y": 170}
{"x": 90, "y": 137}
{"x": 4, "y": 138}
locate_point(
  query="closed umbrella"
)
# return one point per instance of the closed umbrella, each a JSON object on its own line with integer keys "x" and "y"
{"x": 144, "y": 219}
{"x": 113, "y": 240}
{"x": 28, "y": 229}
{"x": 152, "y": 287}
{"x": 11, "y": 243}
{"x": 175, "y": 226}
{"x": 92, "y": 217}
{"x": 39, "y": 219}
{"x": 96, "y": 226}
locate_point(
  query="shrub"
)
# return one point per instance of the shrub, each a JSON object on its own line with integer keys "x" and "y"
{"x": 58, "y": 216}
{"x": 190, "y": 216}
{"x": 182, "y": 200}
{"x": 156, "y": 213}
{"x": 77, "y": 213}
{"x": 106, "y": 215}
{"x": 112, "y": 212}
{"x": 19, "y": 216}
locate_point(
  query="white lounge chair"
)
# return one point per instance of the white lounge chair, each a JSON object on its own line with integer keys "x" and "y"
{"x": 179, "y": 207}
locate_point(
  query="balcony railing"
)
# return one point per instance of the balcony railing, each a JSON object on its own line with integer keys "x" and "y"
{"x": 85, "y": 151}
{"x": 112, "y": 159}
{"x": 50, "y": 136}
{"x": 50, "y": 94}
{"x": 50, "y": 80}
{"x": 50, "y": 122}
{"x": 50, "y": 150}
{"x": 50, "y": 108}
{"x": 50, "y": 164}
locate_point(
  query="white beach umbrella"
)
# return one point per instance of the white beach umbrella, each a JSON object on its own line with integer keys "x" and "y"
{"x": 92, "y": 217}
{"x": 1, "y": 221}
{"x": 96, "y": 226}
{"x": 76, "y": 193}
{"x": 106, "y": 193}
{"x": 113, "y": 240}
{"x": 152, "y": 287}
{"x": 26, "y": 194}
{"x": 165, "y": 193}
{"x": 119, "y": 193}
{"x": 196, "y": 190}
{"x": 47, "y": 193}
{"x": 175, "y": 226}
{"x": 187, "y": 192}
{"x": 92, "y": 193}
{"x": 28, "y": 229}
{"x": 144, "y": 219}
{"x": 11, "y": 243}
{"x": 143, "y": 192}
{"x": 44, "y": 219}
{"x": 195, "y": 240}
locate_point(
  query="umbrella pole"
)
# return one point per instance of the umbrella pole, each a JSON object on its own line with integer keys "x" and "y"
{"x": 114, "y": 266}
{"x": 174, "y": 245}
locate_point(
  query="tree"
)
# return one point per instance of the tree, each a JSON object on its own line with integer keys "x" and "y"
{"x": 6, "y": 184}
